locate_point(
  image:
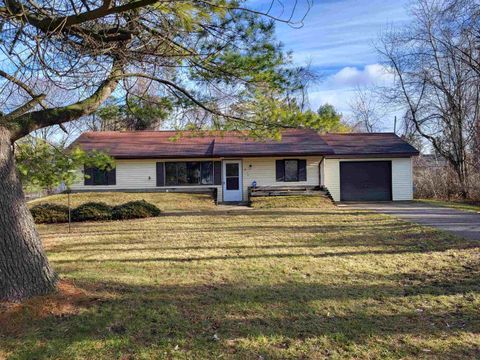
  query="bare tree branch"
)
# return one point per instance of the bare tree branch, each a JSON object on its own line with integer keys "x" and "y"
{"x": 438, "y": 86}
{"x": 39, "y": 119}
{"x": 23, "y": 109}
{"x": 20, "y": 84}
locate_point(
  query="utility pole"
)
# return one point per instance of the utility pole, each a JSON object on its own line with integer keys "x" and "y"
{"x": 395, "y": 125}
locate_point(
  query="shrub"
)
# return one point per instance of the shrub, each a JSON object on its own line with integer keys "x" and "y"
{"x": 135, "y": 210}
{"x": 434, "y": 178}
{"x": 92, "y": 211}
{"x": 49, "y": 213}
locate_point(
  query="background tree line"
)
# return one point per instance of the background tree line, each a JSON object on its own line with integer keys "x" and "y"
{"x": 436, "y": 66}
{"x": 434, "y": 62}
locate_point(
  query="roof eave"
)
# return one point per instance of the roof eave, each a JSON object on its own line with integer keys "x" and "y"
{"x": 372, "y": 155}
{"x": 210, "y": 156}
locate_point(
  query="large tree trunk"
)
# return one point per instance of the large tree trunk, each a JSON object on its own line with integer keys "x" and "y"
{"x": 24, "y": 268}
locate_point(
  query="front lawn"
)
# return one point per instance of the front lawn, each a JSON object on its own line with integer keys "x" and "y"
{"x": 295, "y": 201}
{"x": 271, "y": 283}
{"x": 459, "y": 205}
{"x": 164, "y": 201}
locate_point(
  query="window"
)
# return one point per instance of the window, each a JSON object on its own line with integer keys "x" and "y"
{"x": 189, "y": 173}
{"x": 194, "y": 173}
{"x": 207, "y": 173}
{"x": 96, "y": 176}
{"x": 100, "y": 177}
{"x": 291, "y": 170}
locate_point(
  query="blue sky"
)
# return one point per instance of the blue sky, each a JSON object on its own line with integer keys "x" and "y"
{"x": 337, "y": 40}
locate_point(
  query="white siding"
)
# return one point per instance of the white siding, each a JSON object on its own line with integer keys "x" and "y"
{"x": 402, "y": 179}
{"x": 138, "y": 174}
{"x": 141, "y": 174}
{"x": 331, "y": 177}
{"x": 262, "y": 170}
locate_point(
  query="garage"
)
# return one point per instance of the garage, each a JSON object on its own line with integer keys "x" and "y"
{"x": 366, "y": 180}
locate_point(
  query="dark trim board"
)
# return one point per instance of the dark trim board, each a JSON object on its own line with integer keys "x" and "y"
{"x": 268, "y": 155}
{"x": 374, "y": 156}
{"x": 366, "y": 180}
{"x": 186, "y": 190}
{"x": 226, "y": 157}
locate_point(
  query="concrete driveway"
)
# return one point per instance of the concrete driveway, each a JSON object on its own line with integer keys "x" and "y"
{"x": 461, "y": 223}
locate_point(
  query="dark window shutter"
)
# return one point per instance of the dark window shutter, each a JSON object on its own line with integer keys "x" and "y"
{"x": 302, "y": 170}
{"x": 217, "y": 173}
{"x": 88, "y": 176}
{"x": 280, "y": 170}
{"x": 160, "y": 174}
{"x": 112, "y": 177}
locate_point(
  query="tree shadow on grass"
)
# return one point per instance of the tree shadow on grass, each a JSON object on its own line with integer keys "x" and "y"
{"x": 123, "y": 319}
{"x": 228, "y": 215}
{"x": 398, "y": 235}
{"x": 365, "y": 241}
{"x": 271, "y": 212}
{"x": 134, "y": 319}
{"x": 225, "y": 228}
{"x": 236, "y": 257}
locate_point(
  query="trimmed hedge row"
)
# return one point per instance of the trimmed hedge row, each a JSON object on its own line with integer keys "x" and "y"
{"x": 94, "y": 211}
{"x": 49, "y": 213}
{"x": 135, "y": 210}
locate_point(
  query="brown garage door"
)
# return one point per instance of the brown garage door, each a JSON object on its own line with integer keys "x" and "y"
{"x": 365, "y": 180}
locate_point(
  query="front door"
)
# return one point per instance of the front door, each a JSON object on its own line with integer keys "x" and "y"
{"x": 232, "y": 180}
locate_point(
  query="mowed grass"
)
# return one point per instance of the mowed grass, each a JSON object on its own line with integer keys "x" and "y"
{"x": 459, "y": 205}
{"x": 164, "y": 201}
{"x": 274, "y": 283}
{"x": 294, "y": 201}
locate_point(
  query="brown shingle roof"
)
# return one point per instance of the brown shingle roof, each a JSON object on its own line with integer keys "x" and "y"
{"x": 369, "y": 144}
{"x": 145, "y": 144}
{"x": 294, "y": 142}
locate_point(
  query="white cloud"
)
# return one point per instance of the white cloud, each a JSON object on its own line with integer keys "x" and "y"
{"x": 339, "y": 88}
{"x": 339, "y": 98}
{"x": 373, "y": 74}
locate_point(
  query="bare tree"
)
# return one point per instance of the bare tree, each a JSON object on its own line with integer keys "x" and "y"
{"x": 439, "y": 88}
{"x": 461, "y": 31}
{"x": 211, "y": 54}
{"x": 368, "y": 111}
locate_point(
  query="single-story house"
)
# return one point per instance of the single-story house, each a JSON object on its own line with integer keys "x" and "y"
{"x": 353, "y": 167}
